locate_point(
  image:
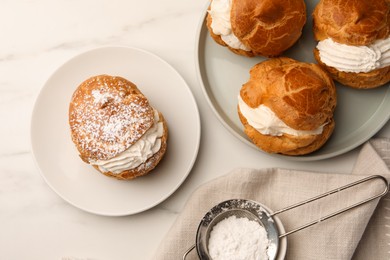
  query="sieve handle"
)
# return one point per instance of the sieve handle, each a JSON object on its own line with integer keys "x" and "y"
{"x": 383, "y": 179}
{"x": 188, "y": 251}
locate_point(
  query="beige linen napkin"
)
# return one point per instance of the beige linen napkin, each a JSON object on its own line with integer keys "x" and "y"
{"x": 345, "y": 236}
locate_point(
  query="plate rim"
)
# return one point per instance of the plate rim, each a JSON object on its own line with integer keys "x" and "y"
{"x": 190, "y": 163}
{"x": 305, "y": 158}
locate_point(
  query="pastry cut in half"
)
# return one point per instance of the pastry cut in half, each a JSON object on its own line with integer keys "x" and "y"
{"x": 253, "y": 27}
{"x": 115, "y": 129}
{"x": 353, "y": 41}
{"x": 287, "y": 106}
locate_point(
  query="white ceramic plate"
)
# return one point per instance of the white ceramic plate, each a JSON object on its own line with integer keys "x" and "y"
{"x": 359, "y": 113}
{"x": 80, "y": 184}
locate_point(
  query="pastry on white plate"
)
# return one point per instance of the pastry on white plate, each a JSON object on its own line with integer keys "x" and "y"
{"x": 115, "y": 129}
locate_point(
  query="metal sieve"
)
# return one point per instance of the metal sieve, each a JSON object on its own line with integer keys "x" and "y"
{"x": 268, "y": 219}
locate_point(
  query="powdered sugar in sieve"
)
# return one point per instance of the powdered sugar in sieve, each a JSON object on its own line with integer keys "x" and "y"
{"x": 252, "y": 211}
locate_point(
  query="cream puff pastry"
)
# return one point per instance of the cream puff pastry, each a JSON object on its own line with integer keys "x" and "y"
{"x": 287, "y": 106}
{"x": 115, "y": 129}
{"x": 353, "y": 41}
{"x": 251, "y": 27}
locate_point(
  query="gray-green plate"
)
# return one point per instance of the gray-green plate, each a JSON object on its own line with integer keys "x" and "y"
{"x": 359, "y": 113}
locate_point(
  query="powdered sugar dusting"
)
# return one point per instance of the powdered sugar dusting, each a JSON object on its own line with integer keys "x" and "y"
{"x": 107, "y": 115}
{"x": 136, "y": 154}
{"x": 100, "y": 98}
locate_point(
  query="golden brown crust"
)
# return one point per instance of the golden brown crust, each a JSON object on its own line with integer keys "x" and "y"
{"x": 302, "y": 95}
{"x": 99, "y": 115}
{"x": 352, "y": 22}
{"x": 218, "y": 39}
{"x": 147, "y": 166}
{"x": 108, "y": 114}
{"x": 267, "y": 27}
{"x": 362, "y": 80}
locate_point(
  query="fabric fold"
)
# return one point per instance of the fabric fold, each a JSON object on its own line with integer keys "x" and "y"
{"x": 340, "y": 237}
{"x": 375, "y": 244}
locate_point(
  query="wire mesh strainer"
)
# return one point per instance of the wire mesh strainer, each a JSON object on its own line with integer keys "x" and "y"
{"x": 255, "y": 211}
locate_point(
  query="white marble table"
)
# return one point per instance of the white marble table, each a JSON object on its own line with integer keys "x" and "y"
{"x": 37, "y": 36}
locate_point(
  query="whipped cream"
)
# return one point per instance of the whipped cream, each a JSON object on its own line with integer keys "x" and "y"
{"x": 138, "y": 153}
{"x": 355, "y": 59}
{"x": 221, "y": 25}
{"x": 265, "y": 121}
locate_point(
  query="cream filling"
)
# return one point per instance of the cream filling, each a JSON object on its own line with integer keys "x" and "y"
{"x": 138, "y": 153}
{"x": 221, "y": 25}
{"x": 355, "y": 58}
{"x": 265, "y": 121}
